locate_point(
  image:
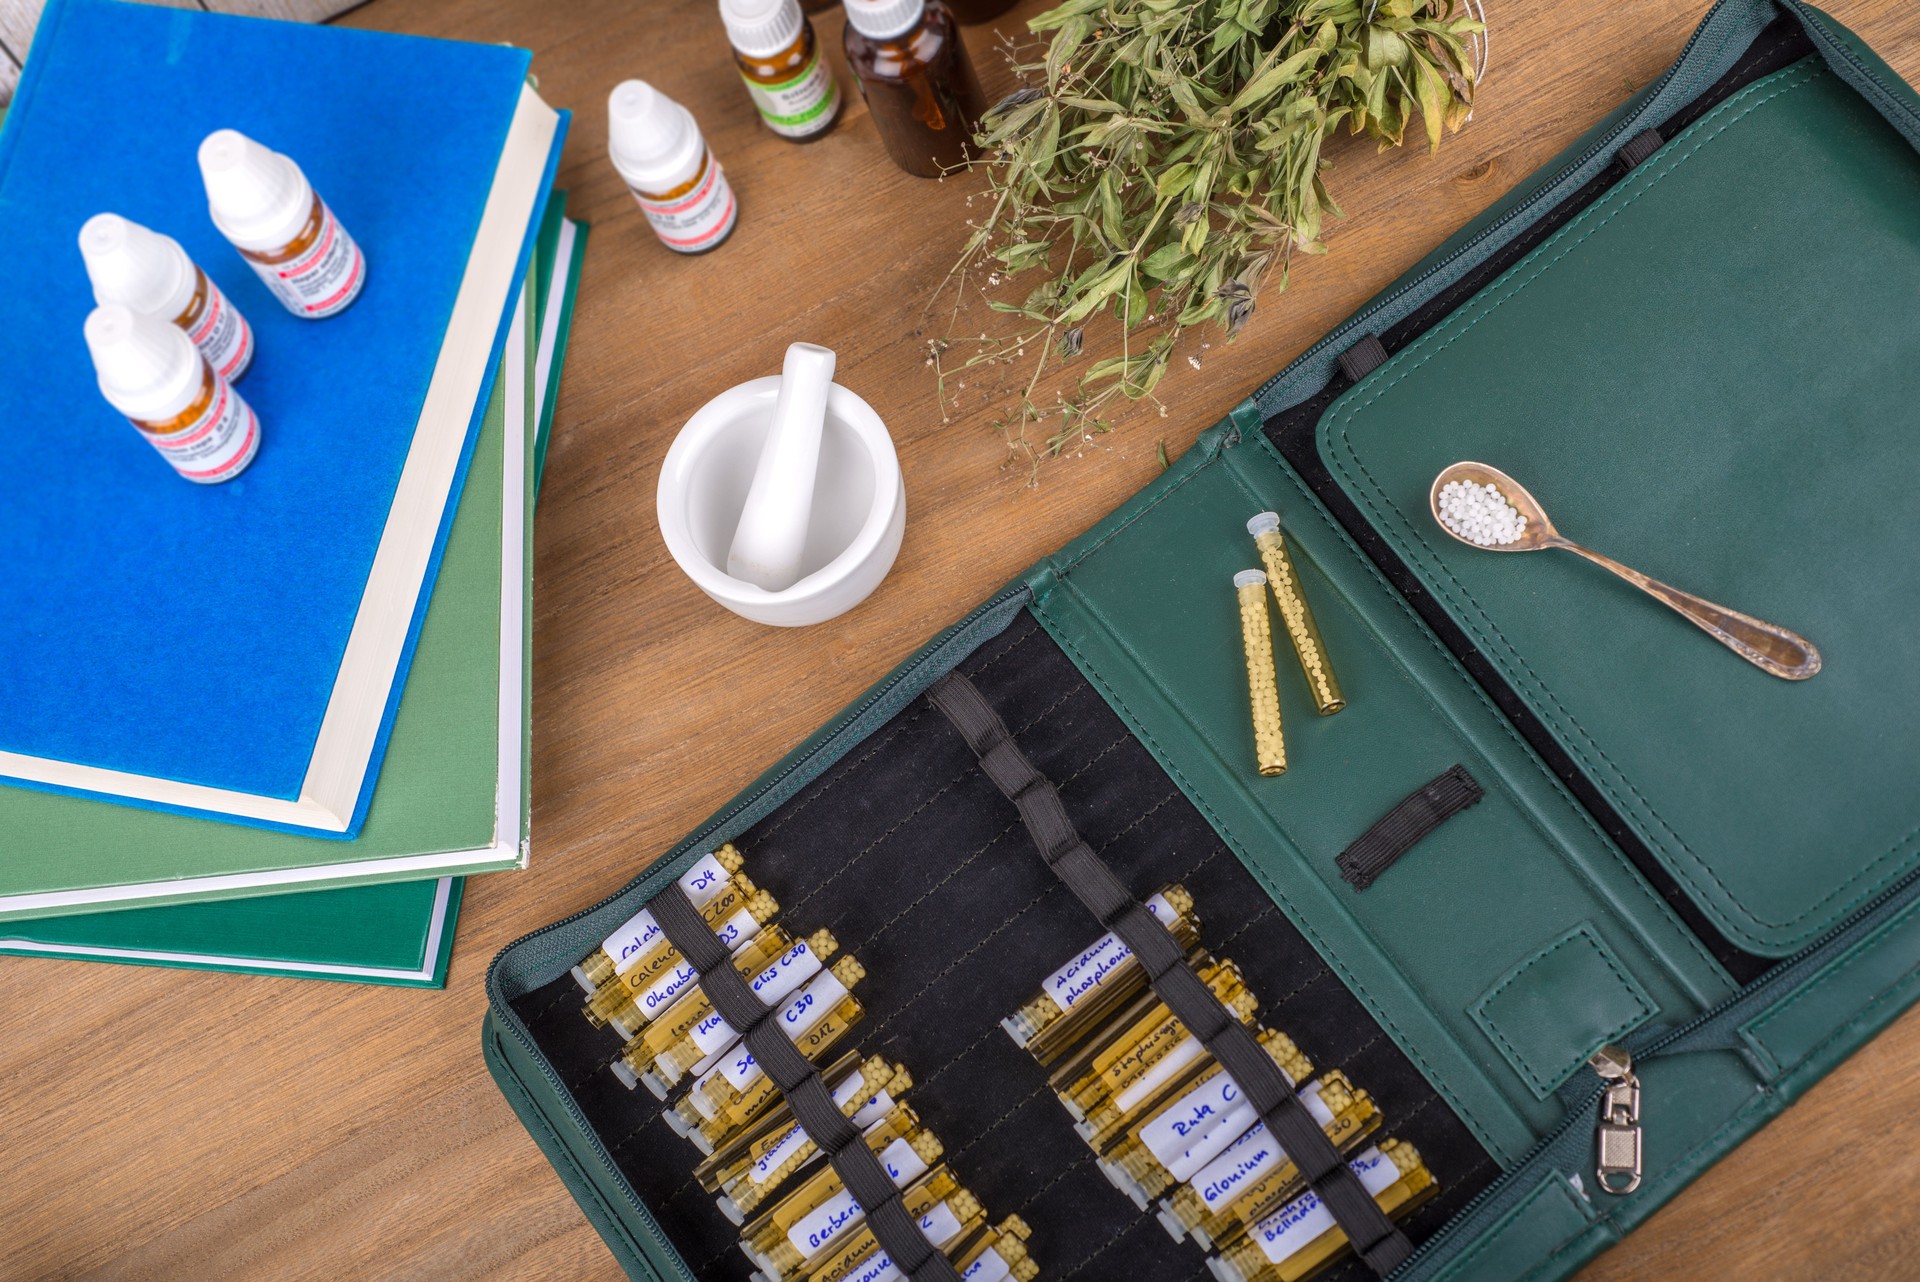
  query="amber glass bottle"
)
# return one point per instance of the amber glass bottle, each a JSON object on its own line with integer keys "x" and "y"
{"x": 919, "y": 83}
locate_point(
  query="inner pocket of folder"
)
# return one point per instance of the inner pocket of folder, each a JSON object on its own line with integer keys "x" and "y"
{"x": 908, "y": 853}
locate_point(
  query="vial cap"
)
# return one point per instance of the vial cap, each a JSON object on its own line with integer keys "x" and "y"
{"x": 135, "y": 265}
{"x": 884, "y": 19}
{"x": 147, "y": 368}
{"x": 762, "y": 28}
{"x": 254, "y": 193}
{"x": 645, "y": 128}
{"x": 1263, "y": 523}
{"x": 1249, "y": 578}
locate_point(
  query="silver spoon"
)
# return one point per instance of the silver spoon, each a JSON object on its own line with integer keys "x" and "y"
{"x": 1765, "y": 645}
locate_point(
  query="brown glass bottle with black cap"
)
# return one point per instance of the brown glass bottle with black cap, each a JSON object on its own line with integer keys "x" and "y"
{"x": 919, "y": 84}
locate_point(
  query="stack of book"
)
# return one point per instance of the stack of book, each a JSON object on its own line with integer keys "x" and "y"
{"x": 267, "y": 725}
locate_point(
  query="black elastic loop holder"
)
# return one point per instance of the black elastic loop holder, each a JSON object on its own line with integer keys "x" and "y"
{"x": 1374, "y": 1236}
{"x": 1364, "y": 357}
{"x": 1406, "y": 825}
{"x": 806, "y": 1094}
{"x": 1639, "y": 148}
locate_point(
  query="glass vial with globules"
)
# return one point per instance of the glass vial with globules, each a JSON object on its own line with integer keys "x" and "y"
{"x": 778, "y": 57}
{"x": 919, "y": 83}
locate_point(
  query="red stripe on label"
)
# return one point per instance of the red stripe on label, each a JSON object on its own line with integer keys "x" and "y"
{"x": 706, "y": 189}
{"x": 726, "y": 215}
{"x": 253, "y": 425}
{"x": 240, "y": 355}
{"x": 359, "y": 261}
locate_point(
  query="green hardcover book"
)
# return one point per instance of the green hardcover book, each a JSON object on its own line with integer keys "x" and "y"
{"x": 558, "y": 253}
{"x": 393, "y": 933}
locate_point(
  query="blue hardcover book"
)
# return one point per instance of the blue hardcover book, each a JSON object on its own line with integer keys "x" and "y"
{"x": 238, "y": 650}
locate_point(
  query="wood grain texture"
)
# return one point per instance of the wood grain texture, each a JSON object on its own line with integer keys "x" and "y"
{"x": 161, "y": 1125}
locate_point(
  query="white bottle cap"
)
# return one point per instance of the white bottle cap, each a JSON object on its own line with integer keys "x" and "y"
{"x": 148, "y": 369}
{"x": 884, "y": 19}
{"x": 134, "y": 265}
{"x": 652, "y": 139}
{"x": 259, "y": 199}
{"x": 761, "y": 28}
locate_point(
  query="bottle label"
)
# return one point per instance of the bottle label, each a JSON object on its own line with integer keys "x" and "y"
{"x": 220, "y": 332}
{"x": 800, "y": 107}
{"x": 695, "y": 220}
{"x": 215, "y": 447}
{"x": 322, "y": 280}
{"x": 1086, "y": 972}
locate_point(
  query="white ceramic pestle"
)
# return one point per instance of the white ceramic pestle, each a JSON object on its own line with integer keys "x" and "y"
{"x": 772, "y": 534}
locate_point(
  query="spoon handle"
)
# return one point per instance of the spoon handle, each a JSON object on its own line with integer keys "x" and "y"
{"x": 1765, "y": 645}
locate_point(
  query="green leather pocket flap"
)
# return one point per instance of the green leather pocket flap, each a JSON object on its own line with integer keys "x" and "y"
{"x": 1564, "y": 1001}
{"x": 1710, "y": 374}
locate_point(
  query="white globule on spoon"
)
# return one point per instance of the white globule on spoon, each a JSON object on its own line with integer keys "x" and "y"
{"x": 1480, "y": 514}
{"x": 772, "y": 534}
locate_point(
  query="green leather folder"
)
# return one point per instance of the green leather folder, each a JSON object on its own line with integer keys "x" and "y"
{"x": 1693, "y": 336}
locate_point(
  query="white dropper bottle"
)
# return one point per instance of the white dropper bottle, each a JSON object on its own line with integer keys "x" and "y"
{"x": 660, "y": 155}
{"x": 150, "y": 273}
{"x": 151, "y": 372}
{"x": 267, "y": 209}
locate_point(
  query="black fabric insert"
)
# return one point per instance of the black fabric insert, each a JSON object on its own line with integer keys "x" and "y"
{"x": 1293, "y": 432}
{"x": 1406, "y": 825}
{"x": 1230, "y": 1042}
{"x": 910, "y": 854}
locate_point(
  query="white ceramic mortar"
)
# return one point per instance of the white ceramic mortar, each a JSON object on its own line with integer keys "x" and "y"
{"x": 859, "y": 514}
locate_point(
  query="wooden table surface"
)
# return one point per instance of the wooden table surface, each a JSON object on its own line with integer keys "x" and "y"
{"x": 167, "y": 1124}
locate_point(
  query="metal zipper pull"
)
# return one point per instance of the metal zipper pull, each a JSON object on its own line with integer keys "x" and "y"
{"x": 1619, "y": 1134}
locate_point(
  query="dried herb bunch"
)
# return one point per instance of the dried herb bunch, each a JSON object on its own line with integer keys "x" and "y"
{"x": 1163, "y": 164}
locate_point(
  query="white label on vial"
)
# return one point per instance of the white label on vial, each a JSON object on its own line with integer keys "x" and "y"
{"x": 667, "y": 989}
{"x": 871, "y": 1113}
{"x": 1251, "y": 1158}
{"x": 222, "y": 333}
{"x": 1179, "y": 1133}
{"x": 776, "y": 1157}
{"x": 1170, "y": 1066}
{"x": 323, "y": 279}
{"x": 990, "y": 1267}
{"x": 1291, "y": 1228}
{"x": 639, "y": 933}
{"x": 795, "y": 967}
{"x": 1085, "y": 973}
{"x": 799, "y": 107}
{"x": 742, "y": 1070}
{"x": 214, "y": 447}
{"x": 817, "y": 1229}
{"x": 696, "y": 220}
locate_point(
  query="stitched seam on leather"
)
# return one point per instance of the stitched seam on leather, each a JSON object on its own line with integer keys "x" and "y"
{"x": 1483, "y": 1016}
{"x": 1752, "y": 1029}
{"x": 1507, "y": 1222}
{"x": 1654, "y": 171}
{"x": 1499, "y": 719}
{"x": 1327, "y": 953}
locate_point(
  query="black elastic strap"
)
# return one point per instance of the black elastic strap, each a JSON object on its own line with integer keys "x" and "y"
{"x": 1364, "y": 357}
{"x": 1403, "y": 827}
{"x": 1379, "y": 1242}
{"x": 1639, "y": 147}
{"x": 806, "y": 1095}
